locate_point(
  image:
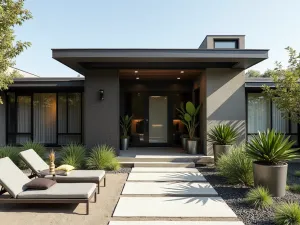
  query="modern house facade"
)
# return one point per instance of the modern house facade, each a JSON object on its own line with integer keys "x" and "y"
{"x": 146, "y": 83}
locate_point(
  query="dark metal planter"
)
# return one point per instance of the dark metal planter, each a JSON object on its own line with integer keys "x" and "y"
{"x": 184, "y": 143}
{"x": 192, "y": 146}
{"x": 272, "y": 177}
{"x": 124, "y": 143}
{"x": 220, "y": 150}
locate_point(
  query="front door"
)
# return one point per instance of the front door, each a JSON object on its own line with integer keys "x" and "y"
{"x": 150, "y": 124}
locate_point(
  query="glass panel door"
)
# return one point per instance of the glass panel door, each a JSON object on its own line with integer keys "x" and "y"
{"x": 158, "y": 119}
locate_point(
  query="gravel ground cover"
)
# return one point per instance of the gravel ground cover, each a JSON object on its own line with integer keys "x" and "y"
{"x": 234, "y": 196}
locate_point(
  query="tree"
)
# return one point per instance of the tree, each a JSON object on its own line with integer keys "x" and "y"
{"x": 286, "y": 94}
{"x": 253, "y": 73}
{"x": 12, "y": 13}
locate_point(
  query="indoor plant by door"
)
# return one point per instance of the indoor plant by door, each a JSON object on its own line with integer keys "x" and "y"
{"x": 125, "y": 124}
{"x": 222, "y": 137}
{"x": 189, "y": 119}
{"x": 270, "y": 152}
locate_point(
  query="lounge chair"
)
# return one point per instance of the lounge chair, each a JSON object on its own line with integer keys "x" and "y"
{"x": 38, "y": 165}
{"x": 12, "y": 180}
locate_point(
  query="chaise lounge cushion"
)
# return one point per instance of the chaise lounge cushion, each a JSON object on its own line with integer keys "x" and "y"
{"x": 39, "y": 184}
{"x": 11, "y": 177}
{"x": 59, "y": 191}
{"x": 36, "y": 163}
{"x": 80, "y": 176}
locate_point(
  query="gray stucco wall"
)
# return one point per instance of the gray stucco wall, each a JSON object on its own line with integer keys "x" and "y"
{"x": 225, "y": 102}
{"x": 2, "y": 121}
{"x": 101, "y": 118}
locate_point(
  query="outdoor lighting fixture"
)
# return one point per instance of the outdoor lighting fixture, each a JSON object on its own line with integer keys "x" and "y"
{"x": 178, "y": 78}
{"x": 137, "y": 78}
{"x": 101, "y": 94}
{"x": 181, "y": 71}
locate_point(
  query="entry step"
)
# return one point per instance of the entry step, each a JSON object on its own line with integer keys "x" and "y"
{"x": 165, "y": 177}
{"x": 164, "y": 164}
{"x": 163, "y": 170}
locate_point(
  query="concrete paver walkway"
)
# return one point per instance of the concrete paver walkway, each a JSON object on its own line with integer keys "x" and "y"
{"x": 181, "y": 193}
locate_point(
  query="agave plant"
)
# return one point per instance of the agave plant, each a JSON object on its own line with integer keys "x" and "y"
{"x": 222, "y": 134}
{"x": 271, "y": 148}
{"x": 188, "y": 116}
{"x": 125, "y": 124}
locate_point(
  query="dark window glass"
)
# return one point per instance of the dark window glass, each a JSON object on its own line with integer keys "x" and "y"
{"x": 226, "y": 44}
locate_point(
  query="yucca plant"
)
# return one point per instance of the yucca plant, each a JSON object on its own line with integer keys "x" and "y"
{"x": 103, "y": 157}
{"x": 222, "y": 134}
{"x": 74, "y": 155}
{"x": 271, "y": 148}
{"x": 37, "y": 147}
{"x": 287, "y": 214}
{"x": 125, "y": 124}
{"x": 259, "y": 197}
{"x": 236, "y": 167}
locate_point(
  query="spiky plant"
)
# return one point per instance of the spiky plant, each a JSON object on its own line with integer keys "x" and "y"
{"x": 287, "y": 214}
{"x": 295, "y": 188}
{"x": 271, "y": 148}
{"x": 37, "y": 147}
{"x": 297, "y": 173}
{"x": 52, "y": 156}
{"x": 125, "y": 124}
{"x": 236, "y": 167}
{"x": 259, "y": 197}
{"x": 12, "y": 152}
{"x": 103, "y": 157}
{"x": 222, "y": 134}
{"x": 74, "y": 155}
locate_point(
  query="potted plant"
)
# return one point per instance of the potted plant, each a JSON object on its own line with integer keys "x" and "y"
{"x": 222, "y": 137}
{"x": 270, "y": 152}
{"x": 184, "y": 139}
{"x": 189, "y": 119}
{"x": 125, "y": 124}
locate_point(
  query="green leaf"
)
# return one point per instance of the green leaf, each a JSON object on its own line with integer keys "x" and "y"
{"x": 190, "y": 108}
{"x": 187, "y": 117}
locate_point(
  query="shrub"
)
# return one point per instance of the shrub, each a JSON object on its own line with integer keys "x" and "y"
{"x": 236, "y": 167}
{"x": 37, "y": 147}
{"x": 259, "y": 197}
{"x": 295, "y": 188}
{"x": 73, "y": 154}
{"x": 11, "y": 152}
{"x": 103, "y": 157}
{"x": 222, "y": 134}
{"x": 271, "y": 148}
{"x": 287, "y": 214}
{"x": 297, "y": 173}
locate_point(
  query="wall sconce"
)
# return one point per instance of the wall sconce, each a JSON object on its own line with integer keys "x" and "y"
{"x": 101, "y": 94}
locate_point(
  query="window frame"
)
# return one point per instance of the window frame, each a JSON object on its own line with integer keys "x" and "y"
{"x": 31, "y": 93}
{"x": 289, "y": 133}
{"x": 236, "y": 41}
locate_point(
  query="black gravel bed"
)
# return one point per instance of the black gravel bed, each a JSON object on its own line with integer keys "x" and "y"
{"x": 234, "y": 196}
{"x": 122, "y": 170}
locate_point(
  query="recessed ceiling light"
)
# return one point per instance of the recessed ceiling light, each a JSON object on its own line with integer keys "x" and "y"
{"x": 181, "y": 71}
{"x": 178, "y": 78}
{"x": 136, "y": 71}
{"x": 137, "y": 78}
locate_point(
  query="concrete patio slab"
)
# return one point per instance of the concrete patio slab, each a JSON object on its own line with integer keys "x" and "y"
{"x": 167, "y": 188}
{"x": 188, "y": 177}
{"x": 199, "y": 207}
{"x": 175, "y": 223}
{"x": 163, "y": 170}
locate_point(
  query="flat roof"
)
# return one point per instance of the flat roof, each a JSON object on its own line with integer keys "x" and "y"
{"x": 83, "y": 60}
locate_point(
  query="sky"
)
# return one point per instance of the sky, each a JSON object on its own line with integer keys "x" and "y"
{"x": 267, "y": 24}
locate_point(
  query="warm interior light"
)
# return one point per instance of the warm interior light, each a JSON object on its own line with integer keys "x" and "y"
{"x": 181, "y": 71}
{"x": 136, "y": 71}
{"x": 178, "y": 78}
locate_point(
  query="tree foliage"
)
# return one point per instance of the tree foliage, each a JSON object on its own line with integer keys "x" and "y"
{"x": 12, "y": 13}
{"x": 258, "y": 74}
{"x": 286, "y": 94}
